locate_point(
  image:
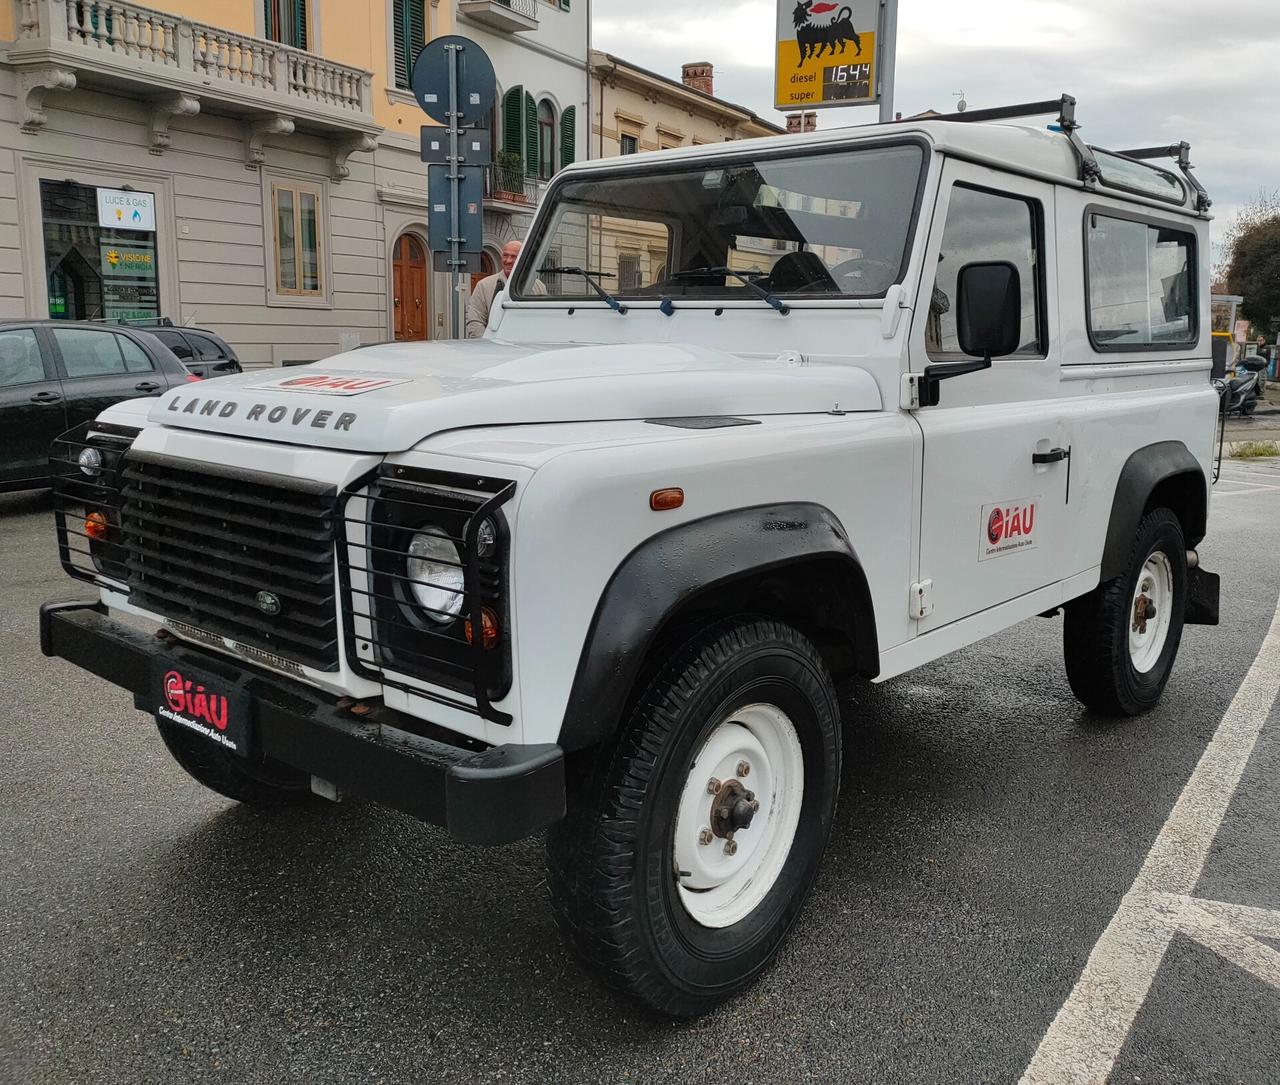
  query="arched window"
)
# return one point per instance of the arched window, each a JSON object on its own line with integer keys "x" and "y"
{"x": 546, "y": 139}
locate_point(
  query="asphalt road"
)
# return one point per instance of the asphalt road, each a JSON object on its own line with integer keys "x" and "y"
{"x": 988, "y": 832}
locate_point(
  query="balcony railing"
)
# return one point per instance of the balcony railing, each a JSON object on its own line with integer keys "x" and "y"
{"x": 511, "y": 185}
{"x": 511, "y": 15}
{"x": 122, "y": 42}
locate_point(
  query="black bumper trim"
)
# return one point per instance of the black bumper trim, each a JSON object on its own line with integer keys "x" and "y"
{"x": 491, "y": 796}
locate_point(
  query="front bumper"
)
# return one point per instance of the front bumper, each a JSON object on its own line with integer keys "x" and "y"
{"x": 481, "y": 796}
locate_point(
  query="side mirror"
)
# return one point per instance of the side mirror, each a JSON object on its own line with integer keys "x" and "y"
{"x": 989, "y": 309}
{"x": 988, "y": 322}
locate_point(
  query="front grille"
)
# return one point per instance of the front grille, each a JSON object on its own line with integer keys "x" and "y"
{"x": 204, "y": 543}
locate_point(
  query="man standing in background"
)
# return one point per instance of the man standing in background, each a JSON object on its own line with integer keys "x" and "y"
{"x": 480, "y": 303}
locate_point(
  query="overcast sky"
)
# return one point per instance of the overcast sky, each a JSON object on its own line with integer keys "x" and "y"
{"x": 1144, "y": 73}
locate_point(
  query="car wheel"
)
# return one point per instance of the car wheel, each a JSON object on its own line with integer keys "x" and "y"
{"x": 255, "y": 782}
{"x": 1121, "y": 639}
{"x": 694, "y": 837}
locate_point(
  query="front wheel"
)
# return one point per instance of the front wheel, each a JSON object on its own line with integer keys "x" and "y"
{"x": 692, "y": 842}
{"x": 1120, "y": 640}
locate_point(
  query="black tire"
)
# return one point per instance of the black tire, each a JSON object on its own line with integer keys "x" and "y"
{"x": 610, "y": 862}
{"x": 1096, "y": 631}
{"x": 1249, "y": 407}
{"x": 252, "y": 781}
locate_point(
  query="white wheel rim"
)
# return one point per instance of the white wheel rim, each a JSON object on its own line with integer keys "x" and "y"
{"x": 1148, "y": 631}
{"x": 720, "y": 885}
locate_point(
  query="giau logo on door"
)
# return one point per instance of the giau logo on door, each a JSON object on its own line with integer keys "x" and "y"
{"x": 1007, "y": 526}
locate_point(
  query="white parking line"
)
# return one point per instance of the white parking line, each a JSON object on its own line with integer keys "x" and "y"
{"x": 1087, "y": 1035}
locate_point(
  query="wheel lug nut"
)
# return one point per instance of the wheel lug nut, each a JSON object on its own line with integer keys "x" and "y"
{"x": 743, "y": 768}
{"x": 713, "y": 786}
{"x": 730, "y": 847}
{"x": 706, "y": 836}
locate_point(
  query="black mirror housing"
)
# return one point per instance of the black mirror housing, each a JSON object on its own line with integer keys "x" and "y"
{"x": 989, "y": 309}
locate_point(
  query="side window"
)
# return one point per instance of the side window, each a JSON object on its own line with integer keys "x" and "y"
{"x": 89, "y": 353}
{"x": 20, "y": 359}
{"x": 135, "y": 358}
{"x": 983, "y": 226}
{"x": 206, "y": 348}
{"x": 175, "y": 342}
{"x": 1141, "y": 291}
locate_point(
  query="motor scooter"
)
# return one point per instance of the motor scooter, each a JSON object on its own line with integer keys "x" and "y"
{"x": 1242, "y": 391}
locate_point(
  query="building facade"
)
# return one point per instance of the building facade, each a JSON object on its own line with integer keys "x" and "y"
{"x": 252, "y": 165}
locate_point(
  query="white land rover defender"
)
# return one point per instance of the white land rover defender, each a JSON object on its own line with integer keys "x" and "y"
{"x": 751, "y": 419}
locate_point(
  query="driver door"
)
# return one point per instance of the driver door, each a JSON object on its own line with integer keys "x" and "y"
{"x": 993, "y": 521}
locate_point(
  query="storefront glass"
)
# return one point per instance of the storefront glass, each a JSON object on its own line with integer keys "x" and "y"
{"x": 97, "y": 269}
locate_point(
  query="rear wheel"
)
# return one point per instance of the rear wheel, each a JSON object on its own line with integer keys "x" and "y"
{"x": 255, "y": 782}
{"x": 1120, "y": 640}
{"x": 693, "y": 839}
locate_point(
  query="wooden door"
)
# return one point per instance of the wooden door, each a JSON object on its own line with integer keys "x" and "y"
{"x": 486, "y": 269}
{"x": 409, "y": 283}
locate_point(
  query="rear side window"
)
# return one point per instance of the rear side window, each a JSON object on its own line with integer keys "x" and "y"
{"x": 206, "y": 348}
{"x": 175, "y": 342}
{"x": 1141, "y": 285}
{"x": 20, "y": 359}
{"x": 982, "y": 226}
{"x": 87, "y": 352}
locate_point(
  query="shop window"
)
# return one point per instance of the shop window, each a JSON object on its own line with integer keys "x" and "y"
{"x": 95, "y": 269}
{"x": 285, "y": 21}
{"x": 408, "y": 34}
{"x": 296, "y": 208}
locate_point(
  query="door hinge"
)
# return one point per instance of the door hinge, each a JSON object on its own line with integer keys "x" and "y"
{"x": 921, "y": 599}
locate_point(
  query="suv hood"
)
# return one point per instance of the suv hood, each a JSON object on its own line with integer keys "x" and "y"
{"x": 388, "y": 398}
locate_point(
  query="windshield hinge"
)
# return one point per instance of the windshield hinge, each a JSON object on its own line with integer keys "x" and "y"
{"x": 910, "y": 397}
{"x": 921, "y": 605}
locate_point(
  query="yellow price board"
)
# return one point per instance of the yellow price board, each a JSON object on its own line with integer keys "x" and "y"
{"x": 826, "y": 53}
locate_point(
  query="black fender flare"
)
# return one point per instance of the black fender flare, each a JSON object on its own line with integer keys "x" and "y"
{"x": 1145, "y": 470}
{"x": 670, "y": 569}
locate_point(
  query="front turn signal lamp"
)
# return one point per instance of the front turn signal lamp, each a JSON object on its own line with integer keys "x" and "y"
{"x": 96, "y": 526}
{"x": 488, "y": 626}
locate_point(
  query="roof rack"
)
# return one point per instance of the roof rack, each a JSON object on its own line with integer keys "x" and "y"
{"x": 1180, "y": 153}
{"x": 1090, "y": 171}
{"x": 1065, "y": 107}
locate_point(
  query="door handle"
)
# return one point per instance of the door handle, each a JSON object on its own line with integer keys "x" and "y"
{"x": 146, "y": 386}
{"x": 46, "y": 397}
{"x": 1052, "y": 456}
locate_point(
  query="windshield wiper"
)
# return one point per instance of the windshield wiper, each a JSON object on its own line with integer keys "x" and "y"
{"x": 782, "y": 308}
{"x": 593, "y": 282}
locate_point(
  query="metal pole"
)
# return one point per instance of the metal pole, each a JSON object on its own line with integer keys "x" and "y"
{"x": 888, "y": 56}
{"x": 455, "y": 242}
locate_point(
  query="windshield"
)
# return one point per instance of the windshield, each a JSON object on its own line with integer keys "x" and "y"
{"x": 816, "y": 225}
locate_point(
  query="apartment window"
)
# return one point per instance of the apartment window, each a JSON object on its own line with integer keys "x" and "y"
{"x": 546, "y": 139}
{"x": 628, "y": 143}
{"x": 408, "y": 35}
{"x": 296, "y": 209}
{"x": 285, "y": 21}
{"x": 629, "y": 271}
{"x": 1141, "y": 293}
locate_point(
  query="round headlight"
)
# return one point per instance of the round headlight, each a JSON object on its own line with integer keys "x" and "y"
{"x": 435, "y": 574}
{"x": 90, "y": 461}
{"x": 486, "y": 538}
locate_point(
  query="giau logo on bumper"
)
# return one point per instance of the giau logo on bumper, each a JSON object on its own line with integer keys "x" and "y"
{"x": 1007, "y": 526}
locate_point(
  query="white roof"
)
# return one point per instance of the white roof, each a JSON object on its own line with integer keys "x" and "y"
{"x": 1028, "y": 149}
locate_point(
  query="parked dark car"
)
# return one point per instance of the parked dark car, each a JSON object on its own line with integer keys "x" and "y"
{"x": 203, "y": 352}
{"x": 56, "y": 374}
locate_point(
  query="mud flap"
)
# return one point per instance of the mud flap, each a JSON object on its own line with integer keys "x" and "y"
{"x": 1202, "y": 598}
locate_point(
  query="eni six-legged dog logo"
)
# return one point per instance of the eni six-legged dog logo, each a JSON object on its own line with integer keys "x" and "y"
{"x": 816, "y": 38}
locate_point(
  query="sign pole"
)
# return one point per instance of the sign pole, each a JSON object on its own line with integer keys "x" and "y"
{"x": 888, "y": 46}
{"x": 455, "y": 242}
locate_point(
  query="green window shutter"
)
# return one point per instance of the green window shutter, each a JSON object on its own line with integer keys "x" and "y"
{"x": 400, "y": 40}
{"x": 564, "y": 5}
{"x": 513, "y": 121}
{"x": 567, "y": 121}
{"x": 530, "y": 135}
{"x": 299, "y": 24}
{"x": 417, "y": 32}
